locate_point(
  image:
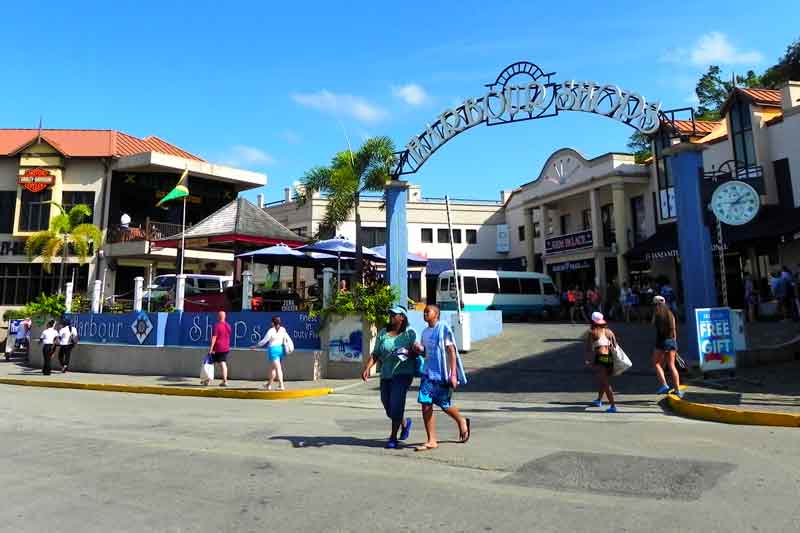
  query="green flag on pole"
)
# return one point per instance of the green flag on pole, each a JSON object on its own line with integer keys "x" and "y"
{"x": 181, "y": 190}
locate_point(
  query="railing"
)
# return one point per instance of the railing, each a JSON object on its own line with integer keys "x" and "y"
{"x": 149, "y": 231}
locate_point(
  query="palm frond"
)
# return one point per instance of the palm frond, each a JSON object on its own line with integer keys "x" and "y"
{"x": 50, "y": 251}
{"x": 78, "y": 213}
{"x": 36, "y": 242}
{"x": 60, "y": 224}
{"x": 82, "y": 236}
{"x": 316, "y": 179}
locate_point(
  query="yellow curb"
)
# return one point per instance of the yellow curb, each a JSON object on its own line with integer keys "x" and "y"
{"x": 241, "y": 394}
{"x": 726, "y": 415}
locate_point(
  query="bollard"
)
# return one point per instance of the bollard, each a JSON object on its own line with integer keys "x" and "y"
{"x": 180, "y": 290}
{"x": 327, "y": 286}
{"x": 68, "y": 297}
{"x": 138, "y": 282}
{"x": 96, "y": 291}
{"x": 247, "y": 290}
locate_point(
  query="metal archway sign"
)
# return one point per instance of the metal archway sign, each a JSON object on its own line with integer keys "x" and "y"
{"x": 538, "y": 97}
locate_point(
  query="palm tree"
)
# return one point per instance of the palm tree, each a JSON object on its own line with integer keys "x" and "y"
{"x": 67, "y": 229}
{"x": 349, "y": 175}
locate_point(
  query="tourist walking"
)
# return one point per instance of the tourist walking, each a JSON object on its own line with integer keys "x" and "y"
{"x": 396, "y": 349}
{"x": 49, "y": 340}
{"x": 67, "y": 339}
{"x": 278, "y": 343}
{"x": 600, "y": 341}
{"x": 220, "y": 347}
{"x": 443, "y": 373}
{"x": 626, "y": 300}
{"x": 750, "y": 297}
{"x": 666, "y": 349}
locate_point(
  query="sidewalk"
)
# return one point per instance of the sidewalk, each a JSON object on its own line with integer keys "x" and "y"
{"x": 767, "y": 396}
{"x": 14, "y": 373}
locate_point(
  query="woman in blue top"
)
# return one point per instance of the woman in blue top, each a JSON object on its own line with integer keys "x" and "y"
{"x": 394, "y": 349}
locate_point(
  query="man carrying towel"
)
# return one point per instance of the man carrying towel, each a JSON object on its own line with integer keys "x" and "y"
{"x": 443, "y": 373}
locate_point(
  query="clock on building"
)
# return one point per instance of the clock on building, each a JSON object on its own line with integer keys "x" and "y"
{"x": 735, "y": 203}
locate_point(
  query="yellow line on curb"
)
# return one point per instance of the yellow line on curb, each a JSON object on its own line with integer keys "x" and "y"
{"x": 726, "y": 415}
{"x": 173, "y": 391}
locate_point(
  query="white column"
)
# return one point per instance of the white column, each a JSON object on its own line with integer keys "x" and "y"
{"x": 327, "y": 285}
{"x": 622, "y": 228}
{"x": 247, "y": 290}
{"x": 96, "y": 290}
{"x": 180, "y": 291}
{"x": 597, "y": 221}
{"x": 530, "y": 241}
{"x": 138, "y": 283}
{"x": 68, "y": 297}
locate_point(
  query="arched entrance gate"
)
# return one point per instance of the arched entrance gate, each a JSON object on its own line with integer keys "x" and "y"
{"x": 523, "y": 91}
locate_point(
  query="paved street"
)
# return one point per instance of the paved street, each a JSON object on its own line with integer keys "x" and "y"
{"x": 539, "y": 460}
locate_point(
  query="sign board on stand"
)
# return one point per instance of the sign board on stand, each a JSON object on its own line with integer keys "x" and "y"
{"x": 715, "y": 339}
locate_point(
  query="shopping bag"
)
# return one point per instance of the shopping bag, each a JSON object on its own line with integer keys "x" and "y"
{"x": 207, "y": 371}
{"x": 288, "y": 345}
{"x": 621, "y": 360}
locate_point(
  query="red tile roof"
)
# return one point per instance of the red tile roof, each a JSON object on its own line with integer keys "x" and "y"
{"x": 88, "y": 143}
{"x": 769, "y": 97}
{"x": 701, "y": 127}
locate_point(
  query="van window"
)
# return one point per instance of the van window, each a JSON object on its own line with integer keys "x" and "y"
{"x": 208, "y": 285}
{"x": 509, "y": 285}
{"x": 549, "y": 288}
{"x": 487, "y": 285}
{"x": 470, "y": 285}
{"x": 530, "y": 286}
{"x": 443, "y": 284}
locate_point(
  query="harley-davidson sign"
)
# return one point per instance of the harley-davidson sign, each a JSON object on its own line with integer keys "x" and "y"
{"x": 36, "y": 179}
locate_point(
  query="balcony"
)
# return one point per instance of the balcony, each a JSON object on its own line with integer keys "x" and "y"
{"x": 149, "y": 231}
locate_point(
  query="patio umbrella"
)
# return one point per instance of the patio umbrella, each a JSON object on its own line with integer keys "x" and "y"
{"x": 413, "y": 259}
{"x": 280, "y": 254}
{"x": 340, "y": 247}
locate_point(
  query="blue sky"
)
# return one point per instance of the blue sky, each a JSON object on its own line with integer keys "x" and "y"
{"x": 273, "y": 87}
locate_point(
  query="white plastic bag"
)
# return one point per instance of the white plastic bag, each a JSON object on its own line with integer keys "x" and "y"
{"x": 207, "y": 371}
{"x": 621, "y": 360}
{"x": 288, "y": 345}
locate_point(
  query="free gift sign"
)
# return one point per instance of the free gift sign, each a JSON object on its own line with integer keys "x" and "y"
{"x": 715, "y": 338}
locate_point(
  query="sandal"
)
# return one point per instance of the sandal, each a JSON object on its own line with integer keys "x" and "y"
{"x": 465, "y": 437}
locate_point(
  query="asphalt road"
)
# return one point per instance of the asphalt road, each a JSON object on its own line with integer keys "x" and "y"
{"x": 92, "y": 461}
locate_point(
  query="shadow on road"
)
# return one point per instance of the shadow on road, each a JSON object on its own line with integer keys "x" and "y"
{"x": 321, "y": 442}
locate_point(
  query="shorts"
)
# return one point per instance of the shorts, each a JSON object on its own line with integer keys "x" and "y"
{"x": 604, "y": 361}
{"x": 434, "y": 392}
{"x": 667, "y": 345}
{"x": 275, "y": 353}
{"x": 219, "y": 357}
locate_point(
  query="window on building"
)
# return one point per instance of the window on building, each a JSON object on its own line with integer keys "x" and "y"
{"x": 426, "y": 234}
{"x": 8, "y": 201}
{"x": 607, "y": 218}
{"x": 371, "y": 237}
{"x": 457, "y": 236}
{"x": 639, "y": 219}
{"x": 509, "y": 286}
{"x": 521, "y": 233}
{"x": 537, "y": 230}
{"x": 530, "y": 286}
{"x": 586, "y": 219}
{"x": 470, "y": 285}
{"x": 550, "y": 226}
{"x": 35, "y": 214}
{"x": 442, "y": 235}
{"x": 742, "y": 134}
{"x": 487, "y": 285}
{"x": 666, "y": 185}
{"x": 22, "y": 282}
{"x": 565, "y": 224}
{"x": 70, "y": 199}
{"x": 472, "y": 236}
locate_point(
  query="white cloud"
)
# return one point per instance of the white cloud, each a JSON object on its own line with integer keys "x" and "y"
{"x": 247, "y": 156}
{"x": 412, "y": 94}
{"x": 341, "y": 104}
{"x": 291, "y": 137}
{"x": 713, "y": 48}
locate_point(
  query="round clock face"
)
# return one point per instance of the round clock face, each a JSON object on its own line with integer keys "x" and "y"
{"x": 735, "y": 203}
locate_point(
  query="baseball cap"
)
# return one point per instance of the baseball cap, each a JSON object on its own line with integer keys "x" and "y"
{"x": 398, "y": 310}
{"x": 598, "y": 318}
{"x": 659, "y": 299}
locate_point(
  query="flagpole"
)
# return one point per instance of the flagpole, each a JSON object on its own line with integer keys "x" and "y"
{"x": 183, "y": 234}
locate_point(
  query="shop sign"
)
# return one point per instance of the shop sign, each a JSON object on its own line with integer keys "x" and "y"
{"x": 570, "y": 266}
{"x": 197, "y": 243}
{"x": 503, "y": 244}
{"x": 36, "y": 179}
{"x": 715, "y": 340}
{"x": 566, "y": 243}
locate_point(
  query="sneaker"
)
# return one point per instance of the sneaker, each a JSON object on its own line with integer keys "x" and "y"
{"x": 612, "y": 409}
{"x": 597, "y": 403}
{"x": 677, "y": 392}
{"x": 391, "y": 444}
{"x": 406, "y": 429}
{"x": 223, "y": 384}
{"x": 663, "y": 389}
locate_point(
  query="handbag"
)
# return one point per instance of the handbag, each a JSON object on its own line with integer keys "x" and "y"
{"x": 419, "y": 366}
{"x": 288, "y": 344}
{"x": 207, "y": 370}
{"x": 621, "y": 360}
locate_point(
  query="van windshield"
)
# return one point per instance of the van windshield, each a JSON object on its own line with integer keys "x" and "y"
{"x": 164, "y": 282}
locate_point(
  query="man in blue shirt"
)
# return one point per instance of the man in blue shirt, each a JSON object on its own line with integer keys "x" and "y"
{"x": 443, "y": 373}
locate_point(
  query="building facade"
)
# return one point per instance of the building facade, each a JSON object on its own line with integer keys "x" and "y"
{"x": 121, "y": 177}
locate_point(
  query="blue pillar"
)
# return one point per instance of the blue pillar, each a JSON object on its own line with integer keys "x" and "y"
{"x": 397, "y": 237}
{"x": 685, "y": 162}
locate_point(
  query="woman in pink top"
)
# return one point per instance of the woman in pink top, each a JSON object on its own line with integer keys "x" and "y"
{"x": 220, "y": 346}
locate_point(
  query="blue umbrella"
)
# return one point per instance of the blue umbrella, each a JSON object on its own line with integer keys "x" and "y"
{"x": 413, "y": 259}
{"x": 280, "y": 254}
{"x": 341, "y": 247}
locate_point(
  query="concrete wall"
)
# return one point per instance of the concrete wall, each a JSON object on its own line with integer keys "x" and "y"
{"x": 784, "y": 139}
